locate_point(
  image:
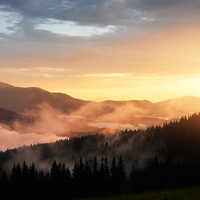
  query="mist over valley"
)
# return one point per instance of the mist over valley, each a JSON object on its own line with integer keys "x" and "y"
{"x": 45, "y": 116}
{"x": 32, "y": 120}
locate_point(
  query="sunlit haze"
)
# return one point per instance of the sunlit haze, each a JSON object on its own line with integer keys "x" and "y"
{"x": 99, "y": 99}
{"x": 100, "y": 50}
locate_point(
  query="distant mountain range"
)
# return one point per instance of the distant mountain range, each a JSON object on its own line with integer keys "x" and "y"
{"x": 9, "y": 117}
{"x": 24, "y": 105}
{"x": 190, "y": 104}
{"x": 22, "y": 99}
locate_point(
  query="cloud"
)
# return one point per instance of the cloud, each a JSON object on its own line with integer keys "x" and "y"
{"x": 48, "y": 75}
{"x": 119, "y": 19}
{"x": 11, "y": 139}
{"x": 136, "y": 36}
{"x": 68, "y": 34}
{"x": 104, "y": 75}
{"x": 127, "y": 13}
{"x": 51, "y": 69}
{"x": 104, "y": 12}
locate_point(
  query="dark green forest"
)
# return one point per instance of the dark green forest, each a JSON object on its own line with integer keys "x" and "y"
{"x": 96, "y": 179}
{"x": 99, "y": 165}
{"x": 180, "y": 138}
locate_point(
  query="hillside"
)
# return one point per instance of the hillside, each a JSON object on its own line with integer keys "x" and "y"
{"x": 40, "y": 112}
{"x": 131, "y": 162}
{"x": 179, "y": 139}
{"x": 9, "y": 117}
{"x": 25, "y": 99}
{"x": 26, "y": 124}
{"x": 21, "y": 100}
{"x": 191, "y": 193}
{"x": 188, "y": 103}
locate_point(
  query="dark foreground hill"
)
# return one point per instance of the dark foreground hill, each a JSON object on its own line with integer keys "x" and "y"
{"x": 99, "y": 165}
{"x": 190, "y": 193}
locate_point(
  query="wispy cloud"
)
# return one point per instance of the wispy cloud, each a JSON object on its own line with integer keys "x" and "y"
{"x": 48, "y": 75}
{"x": 92, "y": 44}
{"x": 51, "y": 69}
{"x": 68, "y": 34}
{"x": 23, "y": 69}
{"x": 4, "y": 13}
{"x": 105, "y": 75}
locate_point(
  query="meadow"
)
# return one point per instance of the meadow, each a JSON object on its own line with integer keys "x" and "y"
{"x": 190, "y": 193}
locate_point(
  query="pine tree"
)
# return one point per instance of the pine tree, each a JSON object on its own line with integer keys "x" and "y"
{"x": 88, "y": 173}
{"x": 68, "y": 174}
{"x": 59, "y": 170}
{"x": 4, "y": 179}
{"x": 95, "y": 168}
{"x": 4, "y": 184}
{"x": 107, "y": 176}
{"x": 19, "y": 172}
{"x": 54, "y": 171}
{"x": 75, "y": 171}
{"x": 16, "y": 180}
{"x": 132, "y": 179}
{"x": 102, "y": 167}
{"x": 25, "y": 173}
{"x": 33, "y": 172}
{"x": 95, "y": 181}
{"x": 113, "y": 176}
{"x": 1, "y": 171}
{"x": 63, "y": 171}
{"x": 121, "y": 172}
{"x": 113, "y": 170}
{"x": 104, "y": 177}
{"x": 41, "y": 176}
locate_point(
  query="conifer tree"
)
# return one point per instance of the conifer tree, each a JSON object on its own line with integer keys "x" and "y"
{"x": 4, "y": 179}
{"x": 102, "y": 167}
{"x": 87, "y": 173}
{"x": 121, "y": 172}
{"x": 4, "y": 185}
{"x": 113, "y": 170}
{"x": 107, "y": 176}
{"x": 33, "y": 172}
{"x": 95, "y": 167}
{"x": 75, "y": 171}
{"x": 95, "y": 180}
{"x": 113, "y": 176}
{"x": 132, "y": 179}
{"x": 54, "y": 171}
{"x": 102, "y": 177}
{"x": 25, "y": 172}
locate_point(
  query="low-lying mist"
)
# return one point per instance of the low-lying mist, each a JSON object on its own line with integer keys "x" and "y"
{"x": 180, "y": 139}
{"x": 107, "y": 118}
{"x": 50, "y": 124}
{"x": 10, "y": 139}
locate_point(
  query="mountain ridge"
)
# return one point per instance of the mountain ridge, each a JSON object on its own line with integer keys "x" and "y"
{"x": 132, "y": 113}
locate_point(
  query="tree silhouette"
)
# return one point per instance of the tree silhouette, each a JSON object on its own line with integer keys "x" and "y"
{"x": 120, "y": 174}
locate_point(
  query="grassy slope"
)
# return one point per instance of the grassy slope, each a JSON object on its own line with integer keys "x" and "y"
{"x": 178, "y": 194}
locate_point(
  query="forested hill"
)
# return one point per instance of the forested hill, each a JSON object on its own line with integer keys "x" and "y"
{"x": 170, "y": 157}
{"x": 180, "y": 139}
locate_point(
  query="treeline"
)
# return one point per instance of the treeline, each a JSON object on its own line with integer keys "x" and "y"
{"x": 177, "y": 164}
{"x": 93, "y": 179}
{"x": 179, "y": 138}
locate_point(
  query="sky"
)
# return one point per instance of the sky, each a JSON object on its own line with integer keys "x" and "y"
{"x": 102, "y": 49}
